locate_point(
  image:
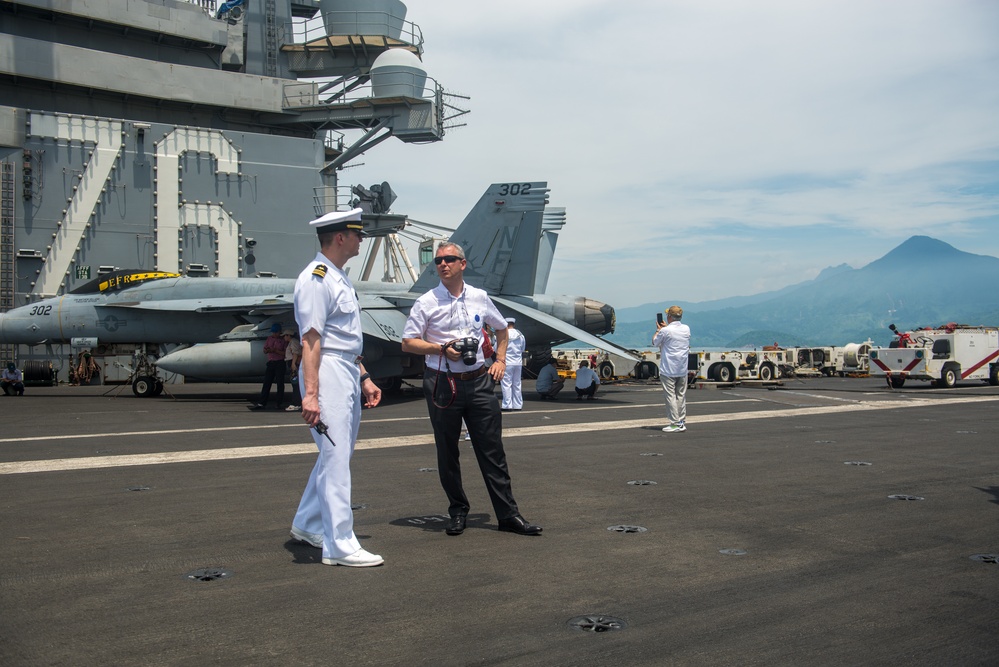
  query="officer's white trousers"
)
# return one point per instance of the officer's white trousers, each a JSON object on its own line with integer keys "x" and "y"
{"x": 510, "y": 385}
{"x": 325, "y": 505}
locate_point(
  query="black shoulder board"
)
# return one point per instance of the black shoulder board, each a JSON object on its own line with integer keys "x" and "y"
{"x": 320, "y": 271}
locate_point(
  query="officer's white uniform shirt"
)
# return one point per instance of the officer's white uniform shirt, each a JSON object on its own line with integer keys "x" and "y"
{"x": 515, "y": 348}
{"x": 673, "y": 341}
{"x": 329, "y": 306}
{"x": 438, "y": 317}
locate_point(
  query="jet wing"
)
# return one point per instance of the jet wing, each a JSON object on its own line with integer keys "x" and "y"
{"x": 238, "y": 304}
{"x": 573, "y": 332}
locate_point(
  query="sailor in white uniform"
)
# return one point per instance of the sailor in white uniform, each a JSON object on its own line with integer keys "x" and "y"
{"x": 333, "y": 383}
{"x": 510, "y": 384}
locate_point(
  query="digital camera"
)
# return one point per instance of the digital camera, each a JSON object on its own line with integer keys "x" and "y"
{"x": 468, "y": 348}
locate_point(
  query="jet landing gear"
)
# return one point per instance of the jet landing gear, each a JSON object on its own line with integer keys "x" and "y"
{"x": 145, "y": 383}
{"x": 146, "y": 386}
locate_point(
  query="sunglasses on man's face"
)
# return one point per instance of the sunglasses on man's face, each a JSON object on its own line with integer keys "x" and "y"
{"x": 446, "y": 258}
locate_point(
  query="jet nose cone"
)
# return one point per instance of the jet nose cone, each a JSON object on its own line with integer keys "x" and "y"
{"x": 17, "y": 327}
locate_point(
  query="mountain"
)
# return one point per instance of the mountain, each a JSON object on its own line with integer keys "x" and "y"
{"x": 922, "y": 282}
{"x": 648, "y": 311}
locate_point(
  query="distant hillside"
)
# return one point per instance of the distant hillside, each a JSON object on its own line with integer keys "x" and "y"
{"x": 922, "y": 282}
{"x": 648, "y": 311}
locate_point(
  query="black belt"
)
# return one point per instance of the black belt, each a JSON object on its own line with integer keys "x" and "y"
{"x": 470, "y": 375}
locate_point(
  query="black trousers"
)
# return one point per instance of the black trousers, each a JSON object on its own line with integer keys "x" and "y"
{"x": 296, "y": 393}
{"x": 273, "y": 373}
{"x": 475, "y": 402}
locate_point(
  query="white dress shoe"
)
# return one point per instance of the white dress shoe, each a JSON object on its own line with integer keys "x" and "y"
{"x": 315, "y": 539}
{"x": 359, "y": 558}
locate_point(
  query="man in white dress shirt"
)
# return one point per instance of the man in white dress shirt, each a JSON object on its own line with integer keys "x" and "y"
{"x": 587, "y": 381}
{"x": 445, "y": 325}
{"x": 673, "y": 340}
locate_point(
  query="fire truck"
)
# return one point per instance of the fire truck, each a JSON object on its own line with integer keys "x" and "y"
{"x": 943, "y": 355}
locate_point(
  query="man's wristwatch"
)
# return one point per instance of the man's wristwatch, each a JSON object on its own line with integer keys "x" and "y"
{"x": 366, "y": 376}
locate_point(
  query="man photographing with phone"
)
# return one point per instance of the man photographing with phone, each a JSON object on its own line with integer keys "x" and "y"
{"x": 445, "y": 324}
{"x": 673, "y": 340}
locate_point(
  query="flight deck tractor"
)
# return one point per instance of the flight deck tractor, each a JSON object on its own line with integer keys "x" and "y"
{"x": 735, "y": 365}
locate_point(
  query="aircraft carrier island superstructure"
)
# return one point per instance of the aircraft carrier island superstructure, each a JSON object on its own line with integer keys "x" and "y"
{"x": 191, "y": 137}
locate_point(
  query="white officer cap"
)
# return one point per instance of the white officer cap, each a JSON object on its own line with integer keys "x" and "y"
{"x": 338, "y": 221}
{"x": 511, "y": 320}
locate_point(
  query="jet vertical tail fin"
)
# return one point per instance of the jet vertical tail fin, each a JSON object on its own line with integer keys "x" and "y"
{"x": 554, "y": 220}
{"x": 501, "y": 237}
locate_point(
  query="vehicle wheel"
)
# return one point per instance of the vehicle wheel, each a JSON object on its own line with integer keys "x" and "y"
{"x": 605, "y": 370}
{"x": 766, "y": 372}
{"x": 144, "y": 386}
{"x": 158, "y": 389}
{"x": 948, "y": 378}
{"x": 723, "y": 373}
{"x": 390, "y": 385}
{"x": 646, "y": 370}
{"x": 897, "y": 382}
{"x": 994, "y": 376}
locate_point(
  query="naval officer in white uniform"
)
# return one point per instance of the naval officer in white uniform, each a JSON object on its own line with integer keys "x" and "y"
{"x": 333, "y": 383}
{"x": 510, "y": 384}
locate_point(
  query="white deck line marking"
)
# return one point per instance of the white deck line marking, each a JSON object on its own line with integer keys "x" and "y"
{"x": 95, "y": 462}
{"x": 301, "y": 425}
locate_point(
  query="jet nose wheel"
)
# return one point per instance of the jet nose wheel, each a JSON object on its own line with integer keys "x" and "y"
{"x": 146, "y": 386}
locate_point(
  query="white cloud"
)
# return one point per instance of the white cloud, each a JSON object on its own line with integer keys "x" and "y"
{"x": 734, "y": 146}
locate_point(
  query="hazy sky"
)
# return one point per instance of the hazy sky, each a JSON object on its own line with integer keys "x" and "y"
{"x": 706, "y": 149}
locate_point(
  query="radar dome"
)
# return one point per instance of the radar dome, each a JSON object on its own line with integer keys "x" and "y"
{"x": 398, "y": 73}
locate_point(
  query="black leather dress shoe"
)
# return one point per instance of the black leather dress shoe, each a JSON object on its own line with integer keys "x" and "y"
{"x": 517, "y": 524}
{"x": 456, "y": 526}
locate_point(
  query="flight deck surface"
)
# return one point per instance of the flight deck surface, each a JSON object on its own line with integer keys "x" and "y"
{"x": 829, "y": 521}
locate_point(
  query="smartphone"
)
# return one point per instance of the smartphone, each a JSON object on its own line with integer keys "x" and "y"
{"x": 659, "y": 318}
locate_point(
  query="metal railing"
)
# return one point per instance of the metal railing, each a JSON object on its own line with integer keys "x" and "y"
{"x": 305, "y": 94}
{"x": 209, "y": 5}
{"x": 344, "y": 23}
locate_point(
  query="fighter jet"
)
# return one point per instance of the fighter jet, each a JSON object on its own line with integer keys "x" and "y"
{"x": 217, "y": 325}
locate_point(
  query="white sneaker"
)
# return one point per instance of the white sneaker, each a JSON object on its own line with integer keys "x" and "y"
{"x": 315, "y": 539}
{"x": 359, "y": 558}
{"x": 468, "y": 436}
{"x": 674, "y": 428}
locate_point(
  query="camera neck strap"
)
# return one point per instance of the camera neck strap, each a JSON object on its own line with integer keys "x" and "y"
{"x": 450, "y": 380}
